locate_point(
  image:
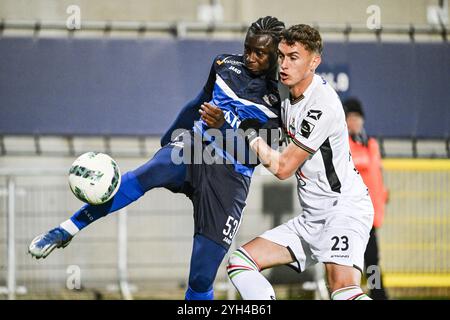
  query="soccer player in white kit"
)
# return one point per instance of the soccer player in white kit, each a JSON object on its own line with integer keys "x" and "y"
{"x": 337, "y": 212}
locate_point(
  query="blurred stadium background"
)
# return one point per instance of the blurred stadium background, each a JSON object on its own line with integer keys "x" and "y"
{"x": 116, "y": 82}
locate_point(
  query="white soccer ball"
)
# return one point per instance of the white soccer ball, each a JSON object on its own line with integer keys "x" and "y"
{"x": 94, "y": 178}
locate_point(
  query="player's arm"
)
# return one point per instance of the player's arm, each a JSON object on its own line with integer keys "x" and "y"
{"x": 214, "y": 117}
{"x": 311, "y": 132}
{"x": 283, "y": 165}
{"x": 189, "y": 113}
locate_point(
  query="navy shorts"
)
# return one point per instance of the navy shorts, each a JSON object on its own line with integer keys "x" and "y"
{"x": 218, "y": 193}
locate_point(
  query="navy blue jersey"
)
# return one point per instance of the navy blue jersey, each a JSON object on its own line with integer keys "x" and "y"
{"x": 241, "y": 95}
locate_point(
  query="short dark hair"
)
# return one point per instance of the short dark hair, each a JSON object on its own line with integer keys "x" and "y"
{"x": 267, "y": 26}
{"x": 304, "y": 34}
{"x": 353, "y": 105}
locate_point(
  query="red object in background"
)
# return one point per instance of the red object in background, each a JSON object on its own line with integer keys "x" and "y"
{"x": 367, "y": 160}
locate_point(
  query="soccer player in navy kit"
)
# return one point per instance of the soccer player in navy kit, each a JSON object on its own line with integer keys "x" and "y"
{"x": 243, "y": 87}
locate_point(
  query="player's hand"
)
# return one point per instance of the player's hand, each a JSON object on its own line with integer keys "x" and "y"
{"x": 250, "y": 123}
{"x": 250, "y": 128}
{"x": 275, "y": 134}
{"x": 271, "y": 133}
{"x": 212, "y": 115}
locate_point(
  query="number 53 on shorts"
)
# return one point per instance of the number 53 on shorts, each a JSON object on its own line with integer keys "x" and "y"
{"x": 231, "y": 227}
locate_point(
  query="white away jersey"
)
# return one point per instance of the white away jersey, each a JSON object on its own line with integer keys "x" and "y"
{"x": 316, "y": 123}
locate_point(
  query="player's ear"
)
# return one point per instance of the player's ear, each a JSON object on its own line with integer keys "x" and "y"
{"x": 317, "y": 59}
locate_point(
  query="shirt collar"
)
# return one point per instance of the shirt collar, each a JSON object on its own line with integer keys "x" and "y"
{"x": 307, "y": 92}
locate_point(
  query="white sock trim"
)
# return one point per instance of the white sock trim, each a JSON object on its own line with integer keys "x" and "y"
{"x": 349, "y": 293}
{"x": 245, "y": 276}
{"x": 70, "y": 227}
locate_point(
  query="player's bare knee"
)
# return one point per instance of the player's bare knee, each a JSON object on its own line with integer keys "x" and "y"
{"x": 340, "y": 276}
{"x": 342, "y": 280}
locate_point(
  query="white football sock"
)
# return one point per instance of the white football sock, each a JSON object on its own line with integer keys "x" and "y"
{"x": 245, "y": 276}
{"x": 70, "y": 227}
{"x": 349, "y": 293}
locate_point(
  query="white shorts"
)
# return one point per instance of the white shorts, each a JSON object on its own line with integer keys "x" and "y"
{"x": 341, "y": 237}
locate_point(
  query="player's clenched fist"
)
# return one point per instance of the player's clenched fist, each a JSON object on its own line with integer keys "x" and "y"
{"x": 212, "y": 115}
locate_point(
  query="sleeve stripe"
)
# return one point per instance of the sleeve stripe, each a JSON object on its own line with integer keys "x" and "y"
{"x": 301, "y": 145}
{"x": 230, "y": 93}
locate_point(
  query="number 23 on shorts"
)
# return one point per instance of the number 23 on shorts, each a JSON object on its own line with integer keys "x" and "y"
{"x": 340, "y": 243}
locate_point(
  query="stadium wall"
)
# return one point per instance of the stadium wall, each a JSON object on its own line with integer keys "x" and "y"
{"x": 137, "y": 86}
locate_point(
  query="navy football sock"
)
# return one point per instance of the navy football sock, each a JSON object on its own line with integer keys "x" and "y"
{"x": 192, "y": 295}
{"x": 205, "y": 260}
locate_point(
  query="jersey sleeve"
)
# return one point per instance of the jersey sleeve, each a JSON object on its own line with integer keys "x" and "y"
{"x": 209, "y": 85}
{"x": 313, "y": 128}
{"x": 189, "y": 112}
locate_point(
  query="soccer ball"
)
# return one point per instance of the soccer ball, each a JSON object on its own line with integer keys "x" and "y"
{"x": 94, "y": 178}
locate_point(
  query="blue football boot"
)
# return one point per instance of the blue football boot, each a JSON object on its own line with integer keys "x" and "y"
{"x": 44, "y": 244}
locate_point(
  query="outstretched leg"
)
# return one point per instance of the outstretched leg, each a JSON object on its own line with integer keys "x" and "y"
{"x": 160, "y": 171}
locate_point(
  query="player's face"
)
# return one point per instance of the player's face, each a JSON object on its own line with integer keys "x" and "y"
{"x": 355, "y": 122}
{"x": 296, "y": 63}
{"x": 259, "y": 53}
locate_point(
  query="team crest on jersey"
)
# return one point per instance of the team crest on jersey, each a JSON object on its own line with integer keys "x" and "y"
{"x": 314, "y": 114}
{"x": 306, "y": 128}
{"x": 270, "y": 99}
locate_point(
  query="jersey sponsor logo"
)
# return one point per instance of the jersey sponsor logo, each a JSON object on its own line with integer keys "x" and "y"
{"x": 233, "y": 68}
{"x": 232, "y": 62}
{"x": 270, "y": 99}
{"x": 306, "y": 128}
{"x": 314, "y": 114}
